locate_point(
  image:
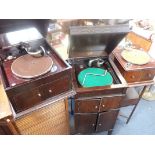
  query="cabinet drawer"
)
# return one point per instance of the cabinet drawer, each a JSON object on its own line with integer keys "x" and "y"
{"x": 133, "y": 76}
{"x": 56, "y": 87}
{"x": 88, "y": 105}
{"x": 147, "y": 75}
{"x": 112, "y": 102}
{"x": 35, "y": 96}
{"x": 27, "y": 99}
{"x": 85, "y": 123}
{"x": 106, "y": 120}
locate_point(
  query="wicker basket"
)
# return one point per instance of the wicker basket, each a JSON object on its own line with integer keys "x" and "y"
{"x": 50, "y": 120}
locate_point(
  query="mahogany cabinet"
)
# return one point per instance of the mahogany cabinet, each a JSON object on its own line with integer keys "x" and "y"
{"x": 96, "y": 114}
{"x": 96, "y": 108}
{"x": 95, "y": 122}
{"x": 25, "y": 94}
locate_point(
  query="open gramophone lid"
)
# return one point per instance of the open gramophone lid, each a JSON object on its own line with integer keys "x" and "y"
{"x": 136, "y": 56}
{"x": 93, "y": 77}
{"x": 27, "y": 66}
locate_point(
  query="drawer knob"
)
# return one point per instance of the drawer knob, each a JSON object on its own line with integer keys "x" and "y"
{"x": 39, "y": 94}
{"x": 96, "y": 107}
{"x": 103, "y": 105}
{"x": 93, "y": 124}
{"x": 132, "y": 76}
{"x": 50, "y": 91}
{"x": 149, "y": 75}
{"x": 8, "y": 120}
{"x": 100, "y": 124}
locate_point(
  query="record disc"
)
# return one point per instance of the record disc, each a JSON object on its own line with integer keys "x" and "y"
{"x": 27, "y": 66}
{"x": 136, "y": 56}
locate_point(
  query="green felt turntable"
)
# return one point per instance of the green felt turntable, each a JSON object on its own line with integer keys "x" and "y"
{"x": 93, "y": 77}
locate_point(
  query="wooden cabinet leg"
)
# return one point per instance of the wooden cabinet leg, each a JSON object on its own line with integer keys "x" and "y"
{"x": 141, "y": 94}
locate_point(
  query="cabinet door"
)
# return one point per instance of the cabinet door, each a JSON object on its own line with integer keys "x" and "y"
{"x": 85, "y": 123}
{"x": 112, "y": 102}
{"x": 106, "y": 120}
{"x": 88, "y": 105}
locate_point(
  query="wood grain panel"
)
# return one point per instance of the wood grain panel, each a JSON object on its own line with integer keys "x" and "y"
{"x": 139, "y": 41}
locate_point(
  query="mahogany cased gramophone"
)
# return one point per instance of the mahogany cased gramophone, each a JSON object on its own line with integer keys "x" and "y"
{"x": 96, "y": 108}
{"x": 50, "y": 76}
{"x": 134, "y": 73}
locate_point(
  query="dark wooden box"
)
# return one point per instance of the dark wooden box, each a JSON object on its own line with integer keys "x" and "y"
{"x": 27, "y": 94}
{"x": 96, "y": 108}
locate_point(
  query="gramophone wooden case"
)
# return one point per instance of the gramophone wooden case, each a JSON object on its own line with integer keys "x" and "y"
{"x": 27, "y": 94}
{"x": 96, "y": 108}
{"x": 135, "y": 74}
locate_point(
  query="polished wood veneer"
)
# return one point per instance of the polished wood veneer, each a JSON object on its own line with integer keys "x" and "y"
{"x": 27, "y": 93}
{"x": 96, "y": 108}
{"x": 131, "y": 72}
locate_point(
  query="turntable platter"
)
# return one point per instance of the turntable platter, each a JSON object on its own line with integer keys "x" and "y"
{"x": 27, "y": 66}
{"x": 136, "y": 56}
{"x": 93, "y": 77}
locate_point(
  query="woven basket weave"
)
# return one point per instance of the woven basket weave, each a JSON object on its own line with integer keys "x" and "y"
{"x": 50, "y": 120}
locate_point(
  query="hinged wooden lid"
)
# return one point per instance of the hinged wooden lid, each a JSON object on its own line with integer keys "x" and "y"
{"x": 15, "y": 37}
{"x": 93, "y": 41}
{"x": 139, "y": 42}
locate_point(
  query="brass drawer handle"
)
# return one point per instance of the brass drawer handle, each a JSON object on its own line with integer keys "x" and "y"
{"x": 39, "y": 94}
{"x": 96, "y": 107}
{"x": 103, "y": 105}
{"x": 132, "y": 76}
{"x": 50, "y": 91}
{"x": 8, "y": 120}
{"x": 100, "y": 124}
